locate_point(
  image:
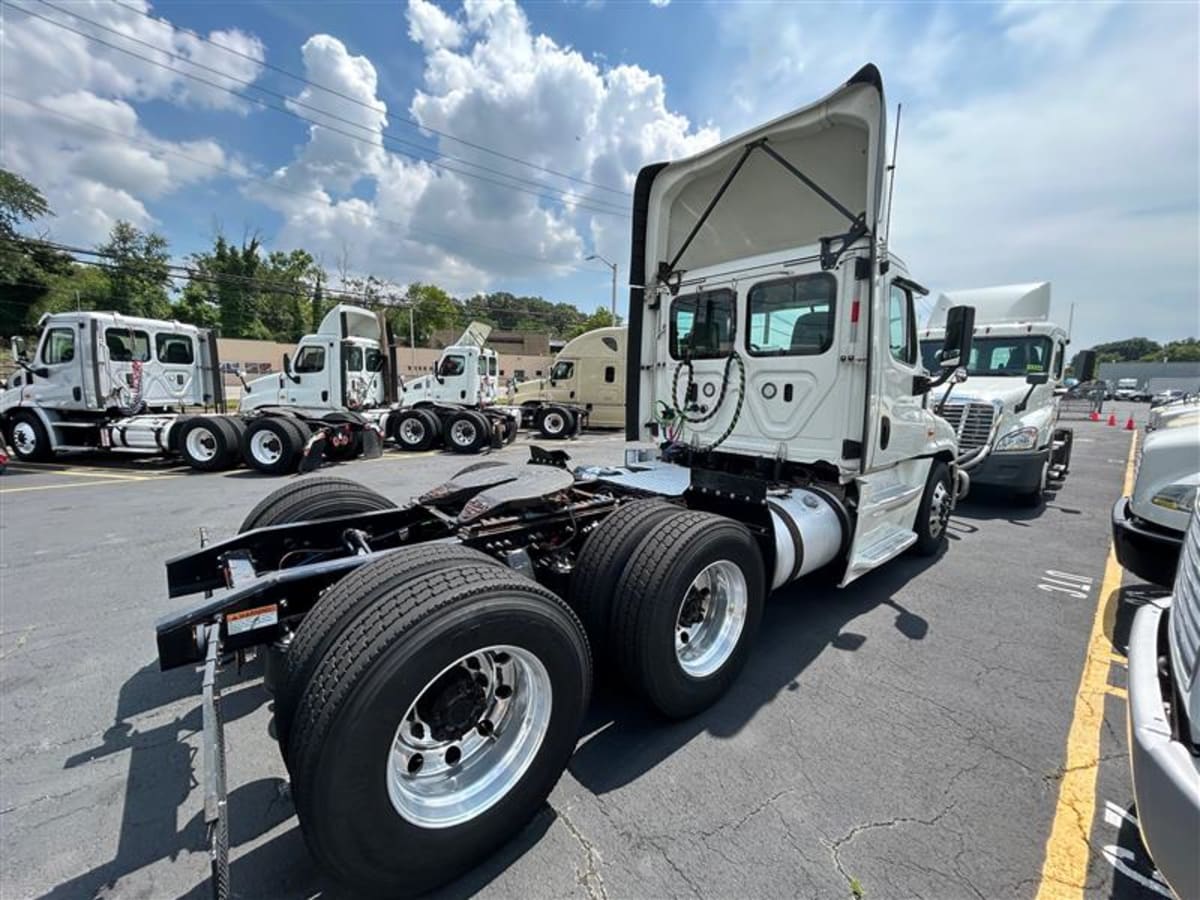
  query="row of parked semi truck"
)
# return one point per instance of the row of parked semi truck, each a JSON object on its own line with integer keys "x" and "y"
{"x": 100, "y": 380}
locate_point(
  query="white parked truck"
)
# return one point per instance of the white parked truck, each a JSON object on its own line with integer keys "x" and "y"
{"x": 432, "y": 661}
{"x": 455, "y": 404}
{"x": 586, "y": 386}
{"x": 1011, "y": 405}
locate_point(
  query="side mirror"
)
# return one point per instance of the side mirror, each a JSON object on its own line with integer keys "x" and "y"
{"x": 1035, "y": 378}
{"x": 956, "y": 346}
{"x": 287, "y": 370}
{"x": 1085, "y": 365}
{"x": 16, "y": 346}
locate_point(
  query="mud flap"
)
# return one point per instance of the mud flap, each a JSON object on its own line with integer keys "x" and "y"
{"x": 314, "y": 452}
{"x": 216, "y": 817}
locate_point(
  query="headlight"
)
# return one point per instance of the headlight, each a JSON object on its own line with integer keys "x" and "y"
{"x": 1019, "y": 439}
{"x": 1180, "y": 497}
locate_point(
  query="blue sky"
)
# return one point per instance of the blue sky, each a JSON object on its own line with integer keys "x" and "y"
{"x": 1039, "y": 141}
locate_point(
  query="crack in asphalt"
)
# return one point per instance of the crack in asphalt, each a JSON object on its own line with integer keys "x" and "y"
{"x": 589, "y": 876}
{"x": 835, "y": 848}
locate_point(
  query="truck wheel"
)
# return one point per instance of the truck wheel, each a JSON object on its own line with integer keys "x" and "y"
{"x": 411, "y": 431}
{"x": 27, "y": 436}
{"x": 341, "y": 603}
{"x": 466, "y": 432}
{"x": 933, "y": 515}
{"x": 686, "y": 610}
{"x": 1037, "y": 496}
{"x": 434, "y": 423}
{"x": 554, "y": 422}
{"x": 272, "y": 445}
{"x": 510, "y": 430}
{"x": 347, "y": 451}
{"x": 316, "y": 497}
{"x": 207, "y": 443}
{"x": 436, "y": 726}
{"x": 603, "y": 559}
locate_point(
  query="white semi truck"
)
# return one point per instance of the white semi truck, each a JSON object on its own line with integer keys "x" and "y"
{"x": 432, "y": 661}
{"x": 1016, "y": 370}
{"x": 455, "y": 404}
{"x": 586, "y": 386}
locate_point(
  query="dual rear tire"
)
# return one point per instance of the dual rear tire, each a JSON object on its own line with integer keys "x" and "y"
{"x": 274, "y": 445}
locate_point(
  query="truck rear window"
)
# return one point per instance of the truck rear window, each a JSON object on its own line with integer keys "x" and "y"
{"x": 703, "y": 325}
{"x": 791, "y": 316}
{"x": 174, "y": 349}
{"x": 125, "y": 345}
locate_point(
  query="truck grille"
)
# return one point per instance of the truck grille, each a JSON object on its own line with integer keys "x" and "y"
{"x": 972, "y": 422}
{"x": 1185, "y": 607}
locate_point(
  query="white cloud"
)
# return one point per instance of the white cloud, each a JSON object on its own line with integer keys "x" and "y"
{"x": 489, "y": 80}
{"x": 660, "y": 3}
{"x": 76, "y": 132}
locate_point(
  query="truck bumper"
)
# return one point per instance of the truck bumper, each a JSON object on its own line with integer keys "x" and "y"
{"x": 1166, "y": 777}
{"x": 1152, "y": 554}
{"x": 1019, "y": 471}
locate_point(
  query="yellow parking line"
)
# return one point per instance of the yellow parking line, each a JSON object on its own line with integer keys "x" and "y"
{"x": 68, "y": 484}
{"x": 1113, "y": 691}
{"x": 1064, "y": 869}
{"x": 393, "y": 457}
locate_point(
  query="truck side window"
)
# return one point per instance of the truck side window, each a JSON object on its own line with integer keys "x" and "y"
{"x": 452, "y": 365}
{"x": 354, "y": 359}
{"x": 791, "y": 316}
{"x": 174, "y": 349}
{"x": 309, "y": 360}
{"x": 493, "y": 365}
{"x": 702, "y": 325}
{"x": 610, "y": 343}
{"x": 610, "y": 374}
{"x": 374, "y": 360}
{"x": 562, "y": 371}
{"x": 901, "y": 326}
{"x": 127, "y": 346}
{"x": 59, "y": 346}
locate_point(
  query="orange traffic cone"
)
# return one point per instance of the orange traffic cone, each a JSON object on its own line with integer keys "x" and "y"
{"x": 1095, "y": 416}
{"x": 1129, "y": 426}
{"x": 1112, "y": 418}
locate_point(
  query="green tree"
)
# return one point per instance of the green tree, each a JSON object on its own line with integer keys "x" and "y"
{"x": 287, "y": 282}
{"x": 601, "y": 318}
{"x": 225, "y": 277}
{"x": 433, "y": 310}
{"x": 1185, "y": 350}
{"x": 317, "y": 308}
{"x": 27, "y": 267}
{"x": 138, "y": 271}
{"x": 74, "y": 287}
{"x": 1127, "y": 350}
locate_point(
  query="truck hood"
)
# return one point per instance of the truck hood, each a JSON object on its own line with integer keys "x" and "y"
{"x": 1169, "y": 456}
{"x": 1007, "y": 390}
{"x": 529, "y": 390}
{"x": 836, "y": 143}
{"x": 260, "y": 391}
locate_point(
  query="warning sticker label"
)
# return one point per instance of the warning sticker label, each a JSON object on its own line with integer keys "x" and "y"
{"x": 249, "y": 619}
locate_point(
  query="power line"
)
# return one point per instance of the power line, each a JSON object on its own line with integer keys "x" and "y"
{"x": 566, "y": 198}
{"x": 336, "y": 93}
{"x": 402, "y": 226}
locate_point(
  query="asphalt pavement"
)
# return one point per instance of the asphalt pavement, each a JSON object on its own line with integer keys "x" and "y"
{"x": 905, "y": 737}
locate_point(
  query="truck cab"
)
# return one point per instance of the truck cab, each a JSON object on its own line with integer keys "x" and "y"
{"x": 1016, "y": 371}
{"x": 342, "y": 366}
{"x": 466, "y": 374}
{"x": 588, "y": 376}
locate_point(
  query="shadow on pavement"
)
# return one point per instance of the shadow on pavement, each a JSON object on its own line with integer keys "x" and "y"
{"x": 799, "y": 624}
{"x": 157, "y": 785}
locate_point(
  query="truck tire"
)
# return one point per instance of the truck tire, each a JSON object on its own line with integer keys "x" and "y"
{"x": 471, "y": 670}
{"x": 208, "y": 443}
{"x": 602, "y": 561}
{"x": 509, "y": 428}
{"x": 933, "y": 515}
{"x": 315, "y": 497}
{"x": 1036, "y": 497}
{"x": 349, "y": 451}
{"x": 467, "y": 432}
{"x": 411, "y": 431}
{"x": 342, "y": 602}
{"x": 555, "y": 422}
{"x": 273, "y": 445}
{"x": 686, "y": 610}
{"x": 434, "y": 423}
{"x": 28, "y": 437}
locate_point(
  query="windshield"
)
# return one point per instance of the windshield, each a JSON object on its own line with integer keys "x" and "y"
{"x": 998, "y": 356}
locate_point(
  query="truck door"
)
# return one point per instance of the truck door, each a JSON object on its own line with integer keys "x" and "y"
{"x": 311, "y": 382}
{"x": 898, "y": 422}
{"x": 62, "y": 385}
{"x": 176, "y": 370}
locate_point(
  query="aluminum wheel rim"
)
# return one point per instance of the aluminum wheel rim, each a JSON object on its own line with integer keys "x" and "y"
{"x": 266, "y": 447}
{"x": 711, "y": 618}
{"x": 939, "y": 509}
{"x": 438, "y": 781}
{"x": 554, "y": 423}
{"x": 201, "y": 444}
{"x": 463, "y": 433}
{"x": 412, "y": 431}
{"x": 24, "y": 437}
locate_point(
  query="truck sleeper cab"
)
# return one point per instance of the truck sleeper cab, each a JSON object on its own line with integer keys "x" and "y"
{"x": 585, "y": 387}
{"x": 432, "y": 662}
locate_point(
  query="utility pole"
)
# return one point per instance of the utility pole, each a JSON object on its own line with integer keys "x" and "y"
{"x": 613, "y": 266}
{"x": 412, "y": 338}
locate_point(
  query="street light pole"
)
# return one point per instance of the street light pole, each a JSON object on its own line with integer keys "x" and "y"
{"x": 613, "y": 266}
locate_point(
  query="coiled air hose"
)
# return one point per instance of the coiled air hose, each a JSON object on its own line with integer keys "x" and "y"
{"x": 679, "y": 412}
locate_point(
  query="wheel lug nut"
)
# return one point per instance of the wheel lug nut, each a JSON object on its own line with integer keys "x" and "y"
{"x": 484, "y": 727}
